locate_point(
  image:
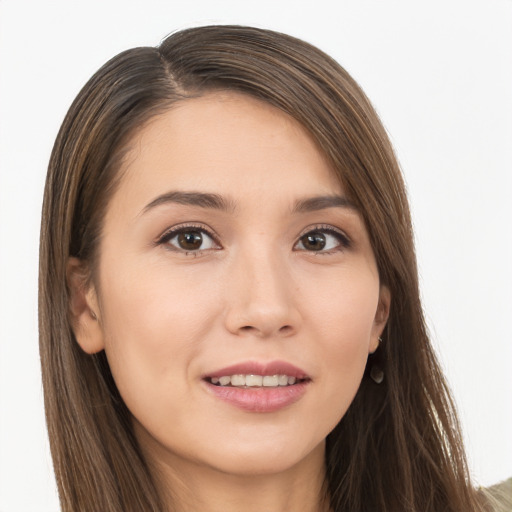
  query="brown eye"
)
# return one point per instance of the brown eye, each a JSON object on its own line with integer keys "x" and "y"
{"x": 190, "y": 240}
{"x": 324, "y": 240}
{"x": 313, "y": 241}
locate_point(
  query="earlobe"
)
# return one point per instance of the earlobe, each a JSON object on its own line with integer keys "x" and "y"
{"x": 381, "y": 318}
{"x": 83, "y": 308}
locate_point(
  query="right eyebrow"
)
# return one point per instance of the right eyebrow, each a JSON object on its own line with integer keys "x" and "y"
{"x": 201, "y": 199}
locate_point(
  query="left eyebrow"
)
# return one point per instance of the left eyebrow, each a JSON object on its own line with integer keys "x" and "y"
{"x": 311, "y": 204}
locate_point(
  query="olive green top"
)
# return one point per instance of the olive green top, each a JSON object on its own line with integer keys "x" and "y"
{"x": 500, "y": 496}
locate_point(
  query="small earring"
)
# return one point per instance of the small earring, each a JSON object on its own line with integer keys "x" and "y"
{"x": 377, "y": 374}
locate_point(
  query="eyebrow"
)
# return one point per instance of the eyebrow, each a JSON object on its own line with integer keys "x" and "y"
{"x": 201, "y": 199}
{"x": 312, "y": 204}
{"x": 218, "y": 202}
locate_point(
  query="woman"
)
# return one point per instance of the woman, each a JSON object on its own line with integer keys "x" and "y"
{"x": 229, "y": 306}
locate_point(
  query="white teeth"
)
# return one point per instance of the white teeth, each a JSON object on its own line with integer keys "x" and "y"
{"x": 238, "y": 380}
{"x": 282, "y": 380}
{"x": 254, "y": 381}
{"x": 271, "y": 381}
{"x": 224, "y": 381}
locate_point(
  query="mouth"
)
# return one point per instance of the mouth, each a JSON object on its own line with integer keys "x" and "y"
{"x": 258, "y": 387}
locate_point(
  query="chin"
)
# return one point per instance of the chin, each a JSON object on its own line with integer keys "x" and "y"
{"x": 264, "y": 458}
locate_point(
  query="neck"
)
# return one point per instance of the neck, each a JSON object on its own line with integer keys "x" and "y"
{"x": 190, "y": 486}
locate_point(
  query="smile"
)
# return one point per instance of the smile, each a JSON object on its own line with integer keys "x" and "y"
{"x": 258, "y": 387}
{"x": 254, "y": 381}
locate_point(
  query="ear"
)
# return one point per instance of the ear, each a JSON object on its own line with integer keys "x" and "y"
{"x": 83, "y": 308}
{"x": 381, "y": 318}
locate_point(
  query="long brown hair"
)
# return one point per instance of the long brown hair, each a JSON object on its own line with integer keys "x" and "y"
{"x": 399, "y": 447}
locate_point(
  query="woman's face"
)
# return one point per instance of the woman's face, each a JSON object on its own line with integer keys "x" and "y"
{"x": 237, "y": 295}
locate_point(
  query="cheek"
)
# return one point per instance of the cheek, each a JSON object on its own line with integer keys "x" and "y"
{"x": 153, "y": 327}
{"x": 342, "y": 316}
{"x": 342, "y": 308}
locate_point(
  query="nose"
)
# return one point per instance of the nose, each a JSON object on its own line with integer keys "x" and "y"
{"x": 261, "y": 297}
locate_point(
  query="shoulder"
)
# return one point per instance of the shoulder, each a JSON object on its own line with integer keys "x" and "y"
{"x": 499, "y": 496}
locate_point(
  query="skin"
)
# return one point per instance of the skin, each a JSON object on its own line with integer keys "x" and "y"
{"x": 252, "y": 292}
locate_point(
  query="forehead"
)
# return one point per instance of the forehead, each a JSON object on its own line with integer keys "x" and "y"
{"x": 226, "y": 143}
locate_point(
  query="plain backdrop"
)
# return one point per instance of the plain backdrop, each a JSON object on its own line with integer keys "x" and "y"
{"x": 440, "y": 76}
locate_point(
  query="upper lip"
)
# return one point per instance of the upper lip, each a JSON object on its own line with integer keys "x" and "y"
{"x": 260, "y": 368}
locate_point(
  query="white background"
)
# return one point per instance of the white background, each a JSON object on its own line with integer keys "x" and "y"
{"x": 440, "y": 75}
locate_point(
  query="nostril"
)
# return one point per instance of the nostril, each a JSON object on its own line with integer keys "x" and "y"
{"x": 286, "y": 329}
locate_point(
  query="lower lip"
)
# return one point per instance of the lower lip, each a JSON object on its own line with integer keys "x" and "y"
{"x": 259, "y": 399}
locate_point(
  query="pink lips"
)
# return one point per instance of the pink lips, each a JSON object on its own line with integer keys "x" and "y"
{"x": 259, "y": 399}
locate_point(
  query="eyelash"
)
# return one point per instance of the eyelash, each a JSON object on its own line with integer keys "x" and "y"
{"x": 342, "y": 239}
